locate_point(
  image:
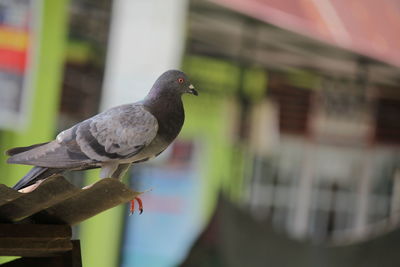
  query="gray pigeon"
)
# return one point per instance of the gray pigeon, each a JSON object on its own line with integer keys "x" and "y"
{"x": 113, "y": 139}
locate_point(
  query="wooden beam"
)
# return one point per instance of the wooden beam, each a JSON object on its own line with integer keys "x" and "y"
{"x": 34, "y": 240}
{"x": 70, "y": 258}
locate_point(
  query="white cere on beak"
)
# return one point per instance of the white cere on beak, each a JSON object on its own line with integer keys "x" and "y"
{"x": 191, "y": 86}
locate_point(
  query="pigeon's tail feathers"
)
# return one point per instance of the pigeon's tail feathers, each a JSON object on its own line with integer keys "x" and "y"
{"x": 34, "y": 175}
{"x": 29, "y": 155}
{"x": 18, "y": 150}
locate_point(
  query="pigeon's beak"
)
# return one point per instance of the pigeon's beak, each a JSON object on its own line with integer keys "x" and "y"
{"x": 192, "y": 90}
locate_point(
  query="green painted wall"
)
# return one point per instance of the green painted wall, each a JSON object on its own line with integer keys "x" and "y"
{"x": 208, "y": 121}
{"x": 213, "y": 118}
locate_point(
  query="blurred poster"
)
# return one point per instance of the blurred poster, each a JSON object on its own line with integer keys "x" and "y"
{"x": 171, "y": 220}
{"x": 16, "y": 35}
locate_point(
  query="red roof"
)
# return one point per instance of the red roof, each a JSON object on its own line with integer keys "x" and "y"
{"x": 368, "y": 27}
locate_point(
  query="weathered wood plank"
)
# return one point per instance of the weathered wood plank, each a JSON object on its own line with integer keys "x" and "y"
{"x": 40, "y": 231}
{"x": 34, "y": 247}
{"x": 71, "y": 258}
{"x": 32, "y": 240}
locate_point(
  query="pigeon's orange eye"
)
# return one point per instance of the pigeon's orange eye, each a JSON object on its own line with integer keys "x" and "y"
{"x": 181, "y": 80}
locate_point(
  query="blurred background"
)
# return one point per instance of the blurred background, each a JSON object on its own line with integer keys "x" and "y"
{"x": 289, "y": 157}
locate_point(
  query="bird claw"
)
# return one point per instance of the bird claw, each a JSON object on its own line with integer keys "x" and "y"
{"x": 132, "y": 206}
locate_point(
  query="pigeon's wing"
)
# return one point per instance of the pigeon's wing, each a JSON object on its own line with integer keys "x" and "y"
{"x": 115, "y": 134}
{"x": 118, "y": 133}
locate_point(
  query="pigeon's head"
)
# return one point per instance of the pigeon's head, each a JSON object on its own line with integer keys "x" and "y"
{"x": 174, "y": 82}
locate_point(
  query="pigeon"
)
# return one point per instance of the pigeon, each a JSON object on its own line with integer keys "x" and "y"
{"x": 114, "y": 139}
